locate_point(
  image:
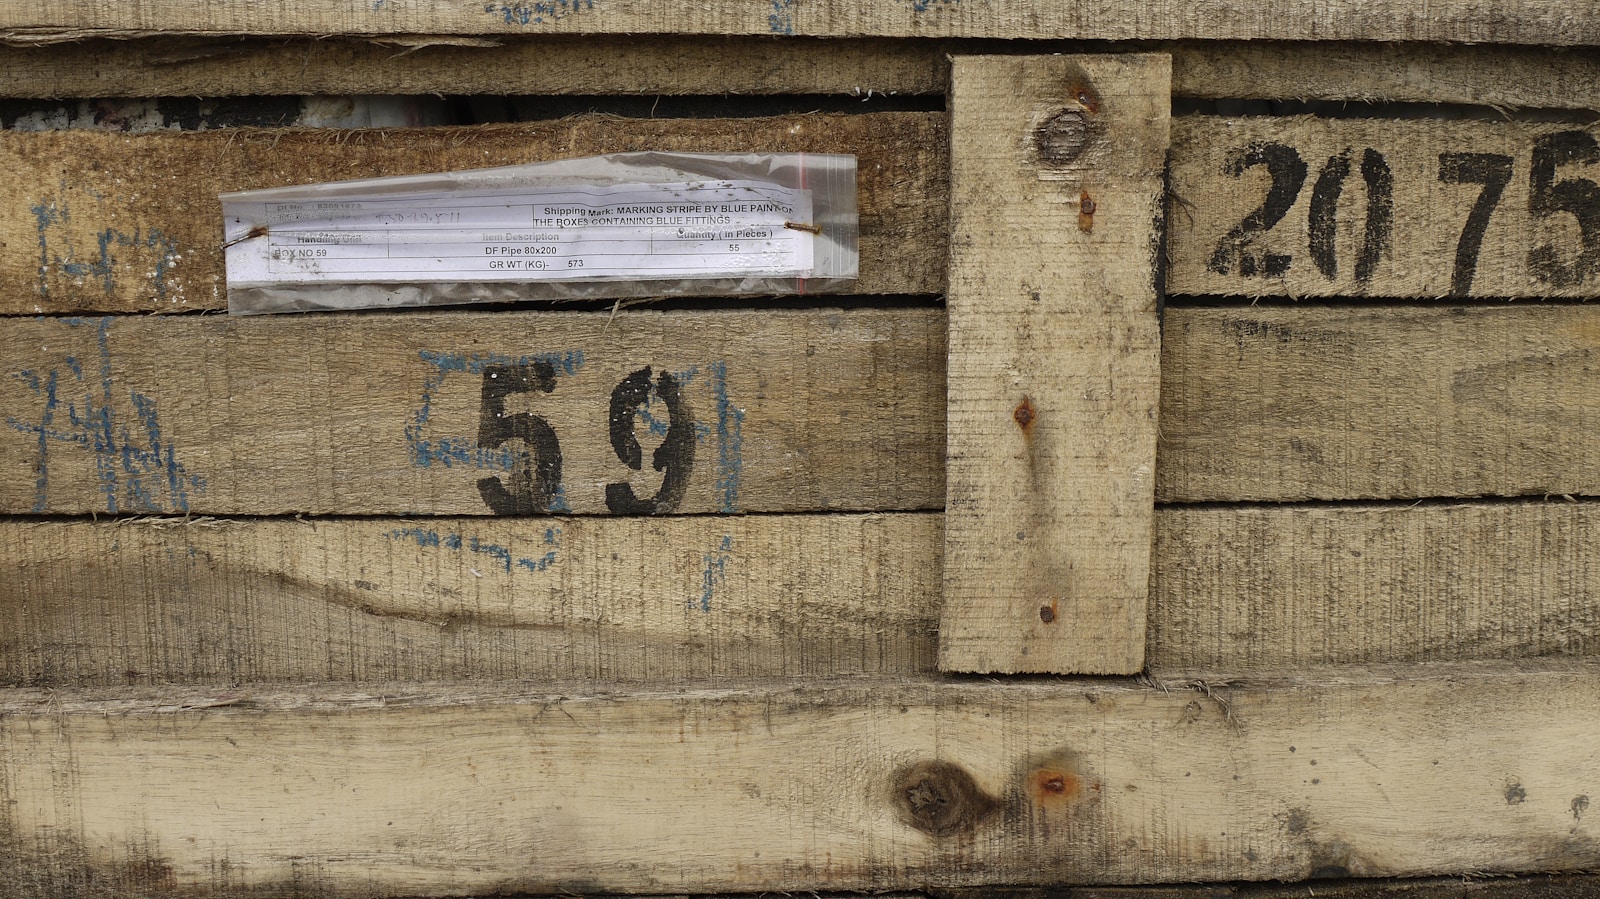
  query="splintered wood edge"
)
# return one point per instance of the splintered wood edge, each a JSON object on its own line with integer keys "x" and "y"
{"x": 1053, "y": 361}
{"x": 1513, "y": 21}
{"x": 883, "y": 784}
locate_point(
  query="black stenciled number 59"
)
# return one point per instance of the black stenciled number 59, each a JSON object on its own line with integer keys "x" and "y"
{"x": 534, "y": 481}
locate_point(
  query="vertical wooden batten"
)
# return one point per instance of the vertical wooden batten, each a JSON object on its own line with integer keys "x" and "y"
{"x": 1056, "y": 184}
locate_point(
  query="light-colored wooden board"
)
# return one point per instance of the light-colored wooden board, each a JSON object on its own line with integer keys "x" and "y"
{"x": 634, "y": 600}
{"x": 863, "y": 784}
{"x": 1509, "y": 21}
{"x": 1280, "y": 588}
{"x": 131, "y": 223}
{"x": 1300, "y": 206}
{"x": 652, "y": 601}
{"x": 1053, "y": 371}
{"x": 1500, "y": 76}
{"x": 436, "y": 414}
{"x": 1378, "y": 402}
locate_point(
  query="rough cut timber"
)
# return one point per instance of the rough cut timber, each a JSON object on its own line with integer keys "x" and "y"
{"x": 1300, "y": 206}
{"x": 1499, "y": 76}
{"x": 1507, "y": 21}
{"x": 655, "y": 601}
{"x": 131, "y": 223}
{"x": 610, "y": 600}
{"x": 474, "y": 413}
{"x": 1277, "y": 588}
{"x": 1290, "y": 403}
{"x": 862, "y": 785}
{"x": 1054, "y": 361}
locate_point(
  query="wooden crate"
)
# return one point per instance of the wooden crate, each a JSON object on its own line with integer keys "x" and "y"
{"x": 1195, "y": 486}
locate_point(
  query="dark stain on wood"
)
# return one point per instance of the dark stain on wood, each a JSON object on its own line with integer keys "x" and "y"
{"x": 940, "y": 798}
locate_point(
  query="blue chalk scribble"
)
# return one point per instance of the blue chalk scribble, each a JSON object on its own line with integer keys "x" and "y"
{"x": 102, "y": 264}
{"x": 503, "y": 557}
{"x": 716, "y": 571}
{"x": 730, "y": 440}
{"x": 781, "y": 20}
{"x": 465, "y": 451}
{"x": 537, "y": 13}
{"x": 136, "y": 466}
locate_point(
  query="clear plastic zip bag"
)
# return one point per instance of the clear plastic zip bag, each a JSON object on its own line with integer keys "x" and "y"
{"x": 618, "y": 226}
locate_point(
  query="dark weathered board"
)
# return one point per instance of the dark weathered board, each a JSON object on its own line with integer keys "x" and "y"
{"x": 1388, "y": 208}
{"x": 474, "y": 413}
{"x": 131, "y": 223}
{"x": 856, "y": 784}
{"x": 1373, "y": 402}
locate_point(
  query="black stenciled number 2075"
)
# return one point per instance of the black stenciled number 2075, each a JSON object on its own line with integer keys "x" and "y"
{"x": 533, "y": 484}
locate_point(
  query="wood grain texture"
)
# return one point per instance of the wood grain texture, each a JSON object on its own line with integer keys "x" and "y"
{"x": 1539, "y": 77}
{"x": 1499, "y": 76}
{"x": 383, "y": 414}
{"x": 131, "y": 223}
{"x": 1560, "y": 886}
{"x": 866, "y": 784}
{"x": 1267, "y": 588}
{"x": 1054, "y": 361}
{"x": 1378, "y": 402}
{"x": 1509, "y": 21}
{"x": 653, "y": 601}
{"x": 634, "y": 600}
{"x": 1299, "y": 206}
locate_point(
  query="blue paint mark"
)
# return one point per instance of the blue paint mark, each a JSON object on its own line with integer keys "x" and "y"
{"x": 781, "y": 21}
{"x": 730, "y": 439}
{"x": 925, "y": 5}
{"x": 537, "y": 13}
{"x": 465, "y": 451}
{"x": 502, "y": 556}
{"x": 136, "y": 468}
{"x": 715, "y": 573}
{"x": 103, "y": 264}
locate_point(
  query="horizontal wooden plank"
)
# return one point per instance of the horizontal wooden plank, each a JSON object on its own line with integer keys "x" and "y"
{"x": 1265, "y": 588}
{"x": 653, "y": 601}
{"x": 420, "y": 790}
{"x": 131, "y": 223}
{"x": 632, "y": 600}
{"x": 682, "y": 64}
{"x": 1258, "y": 404}
{"x": 1559, "y": 886}
{"x": 1371, "y": 402}
{"x": 1541, "y": 77}
{"x": 1300, "y": 206}
{"x": 1510, "y": 21}
{"x": 474, "y": 413}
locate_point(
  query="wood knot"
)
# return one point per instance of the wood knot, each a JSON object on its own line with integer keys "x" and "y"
{"x": 940, "y": 798}
{"x": 1062, "y": 137}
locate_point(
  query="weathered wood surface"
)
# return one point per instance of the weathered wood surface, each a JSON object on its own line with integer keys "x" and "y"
{"x": 1561, "y": 886}
{"x": 632, "y": 600}
{"x": 1056, "y": 197}
{"x": 1371, "y": 402}
{"x": 655, "y": 601}
{"x": 679, "y": 64}
{"x": 1258, "y": 404}
{"x": 474, "y": 413}
{"x": 131, "y": 223}
{"x": 419, "y": 790}
{"x": 1301, "y": 206}
{"x": 1509, "y": 21}
{"x": 1262, "y": 589}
